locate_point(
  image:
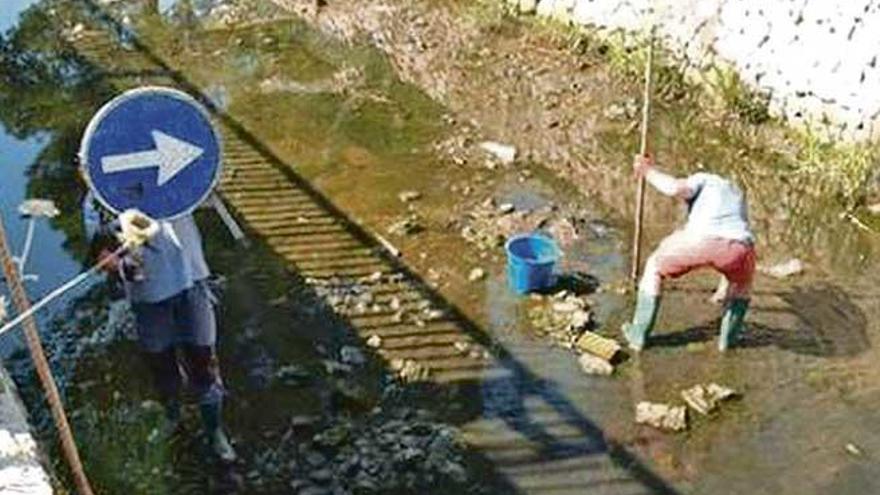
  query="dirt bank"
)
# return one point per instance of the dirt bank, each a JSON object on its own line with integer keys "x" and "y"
{"x": 570, "y": 103}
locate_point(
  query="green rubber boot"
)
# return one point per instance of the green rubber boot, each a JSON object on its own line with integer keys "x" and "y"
{"x": 213, "y": 425}
{"x": 173, "y": 419}
{"x": 732, "y": 323}
{"x": 638, "y": 331}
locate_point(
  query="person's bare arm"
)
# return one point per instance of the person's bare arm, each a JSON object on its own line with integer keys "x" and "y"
{"x": 666, "y": 184}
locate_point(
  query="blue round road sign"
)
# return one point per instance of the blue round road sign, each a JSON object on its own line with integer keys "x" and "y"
{"x": 153, "y": 149}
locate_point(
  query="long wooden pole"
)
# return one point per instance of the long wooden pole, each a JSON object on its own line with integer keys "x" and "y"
{"x": 32, "y": 335}
{"x": 643, "y": 150}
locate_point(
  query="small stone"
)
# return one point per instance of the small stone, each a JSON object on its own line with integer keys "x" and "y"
{"x": 352, "y": 355}
{"x": 787, "y": 269}
{"x": 374, "y": 341}
{"x": 409, "y": 196}
{"x": 593, "y": 365}
{"x": 476, "y": 274}
{"x": 505, "y": 153}
{"x": 462, "y": 347}
{"x": 662, "y": 416}
{"x": 506, "y": 208}
{"x": 874, "y": 209}
{"x": 853, "y": 449}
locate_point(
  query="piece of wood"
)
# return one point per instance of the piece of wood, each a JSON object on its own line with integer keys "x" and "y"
{"x": 598, "y": 345}
{"x": 41, "y": 365}
{"x": 643, "y": 150}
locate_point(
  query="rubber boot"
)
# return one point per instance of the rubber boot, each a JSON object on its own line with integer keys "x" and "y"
{"x": 732, "y": 323}
{"x": 173, "y": 419}
{"x": 213, "y": 425}
{"x": 638, "y": 331}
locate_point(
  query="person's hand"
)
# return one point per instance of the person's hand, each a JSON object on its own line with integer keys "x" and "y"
{"x": 642, "y": 164}
{"x": 111, "y": 266}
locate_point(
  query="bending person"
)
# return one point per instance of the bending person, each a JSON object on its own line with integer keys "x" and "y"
{"x": 717, "y": 235}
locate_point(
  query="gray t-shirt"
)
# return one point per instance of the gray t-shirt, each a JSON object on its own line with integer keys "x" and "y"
{"x": 718, "y": 209}
{"x": 172, "y": 262}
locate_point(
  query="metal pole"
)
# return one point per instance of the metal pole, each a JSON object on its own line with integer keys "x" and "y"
{"x": 41, "y": 364}
{"x": 643, "y": 150}
{"x": 55, "y": 294}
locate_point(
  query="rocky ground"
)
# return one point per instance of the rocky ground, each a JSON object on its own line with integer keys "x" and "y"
{"x": 570, "y": 101}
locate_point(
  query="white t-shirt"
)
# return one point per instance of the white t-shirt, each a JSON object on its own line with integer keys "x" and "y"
{"x": 718, "y": 209}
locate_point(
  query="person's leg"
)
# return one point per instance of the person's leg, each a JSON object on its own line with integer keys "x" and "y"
{"x": 676, "y": 255}
{"x": 737, "y": 262}
{"x": 647, "y": 305}
{"x": 721, "y": 292}
{"x": 196, "y": 316}
{"x": 154, "y": 324}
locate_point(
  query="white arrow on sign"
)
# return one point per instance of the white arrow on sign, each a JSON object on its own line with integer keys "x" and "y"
{"x": 171, "y": 155}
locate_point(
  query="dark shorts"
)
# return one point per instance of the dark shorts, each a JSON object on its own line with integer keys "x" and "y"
{"x": 187, "y": 318}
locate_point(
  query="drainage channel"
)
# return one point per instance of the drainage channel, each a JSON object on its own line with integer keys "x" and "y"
{"x": 530, "y": 431}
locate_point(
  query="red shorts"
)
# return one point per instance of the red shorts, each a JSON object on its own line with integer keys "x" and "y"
{"x": 678, "y": 255}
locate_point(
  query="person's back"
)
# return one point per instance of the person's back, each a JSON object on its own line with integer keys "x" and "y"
{"x": 718, "y": 208}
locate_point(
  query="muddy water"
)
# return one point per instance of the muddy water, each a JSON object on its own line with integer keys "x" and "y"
{"x": 297, "y": 106}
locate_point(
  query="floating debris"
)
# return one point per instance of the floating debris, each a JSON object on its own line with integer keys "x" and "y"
{"x": 662, "y": 416}
{"x": 409, "y": 196}
{"x": 593, "y": 365}
{"x": 783, "y": 270}
{"x": 706, "y": 398}
{"x": 505, "y": 153}
{"x": 854, "y": 449}
{"x": 38, "y": 208}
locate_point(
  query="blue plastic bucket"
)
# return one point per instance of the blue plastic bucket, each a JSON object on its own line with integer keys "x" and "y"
{"x": 531, "y": 260}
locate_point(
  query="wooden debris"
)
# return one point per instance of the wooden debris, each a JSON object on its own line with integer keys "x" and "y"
{"x": 706, "y": 398}
{"x": 597, "y": 345}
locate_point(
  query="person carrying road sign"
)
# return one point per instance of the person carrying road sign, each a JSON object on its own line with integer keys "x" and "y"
{"x": 155, "y": 150}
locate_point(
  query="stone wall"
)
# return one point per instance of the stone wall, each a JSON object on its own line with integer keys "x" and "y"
{"x": 20, "y": 467}
{"x": 817, "y": 60}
